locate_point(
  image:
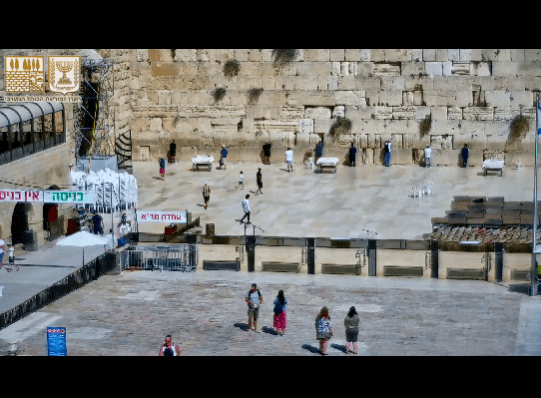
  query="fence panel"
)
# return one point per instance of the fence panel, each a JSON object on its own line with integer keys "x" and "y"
{"x": 182, "y": 257}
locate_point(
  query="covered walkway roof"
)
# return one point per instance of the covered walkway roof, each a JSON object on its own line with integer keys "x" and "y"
{"x": 14, "y": 113}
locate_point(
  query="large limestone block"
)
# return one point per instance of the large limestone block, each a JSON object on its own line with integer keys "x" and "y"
{"x": 429, "y": 55}
{"x": 185, "y": 55}
{"x": 480, "y": 69}
{"x": 446, "y": 68}
{"x": 390, "y": 98}
{"x": 393, "y": 83}
{"x": 531, "y": 54}
{"x": 336, "y": 55}
{"x": 434, "y": 68}
{"x": 413, "y": 68}
{"x": 322, "y": 126}
{"x": 446, "y": 157}
{"x": 529, "y": 69}
{"x": 319, "y": 112}
{"x": 397, "y": 55}
{"x": 500, "y": 99}
{"x": 454, "y": 113}
{"x": 141, "y": 55}
{"x": 521, "y": 98}
{"x": 506, "y": 68}
{"x": 346, "y": 82}
{"x": 453, "y": 55}
{"x": 383, "y": 112}
{"x": 422, "y": 112}
{"x": 403, "y": 112}
{"x": 464, "y": 98}
{"x": 355, "y": 98}
{"x": 352, "y": 55}
{"x": 465, "y": 55}
{"x": 316, "y": 55}
{"x": 364, "y": 55}
{"x": 367, "y": 83}
{"x": 478, "y": 113}
{"x": 460, "y": 69}
{"x": 517, "y": 55}
{"x": 384, "y": 69}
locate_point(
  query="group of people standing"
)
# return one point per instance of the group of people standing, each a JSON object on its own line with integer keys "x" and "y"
{"x": 323, "y": 327}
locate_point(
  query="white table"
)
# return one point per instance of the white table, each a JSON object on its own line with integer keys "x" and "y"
{"x": 492, "y": 165}
{"x": 202, "y": 161}
{"x": 327, "y": 163}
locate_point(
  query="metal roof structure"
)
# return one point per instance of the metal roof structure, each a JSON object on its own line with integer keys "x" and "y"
{"x": 14, "y": 113}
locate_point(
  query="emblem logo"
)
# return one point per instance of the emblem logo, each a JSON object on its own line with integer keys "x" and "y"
{"x": 24, "y": 74}
{"x": 64, "y": 74}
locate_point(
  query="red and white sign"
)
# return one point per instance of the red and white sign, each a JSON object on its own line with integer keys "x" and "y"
{"x": 168, "y": 217}
{"x": 20, "y": 195}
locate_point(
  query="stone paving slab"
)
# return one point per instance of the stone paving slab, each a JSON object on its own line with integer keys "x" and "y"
{"x": 205, "y": 312}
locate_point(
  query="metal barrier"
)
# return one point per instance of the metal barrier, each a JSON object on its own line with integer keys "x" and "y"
{"x": 181, "y": 257}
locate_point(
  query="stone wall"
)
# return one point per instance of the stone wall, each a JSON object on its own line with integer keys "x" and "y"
{"x": 469, "y": 95}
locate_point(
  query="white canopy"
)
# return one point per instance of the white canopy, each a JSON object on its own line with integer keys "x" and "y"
{"x": 83, "y": 238}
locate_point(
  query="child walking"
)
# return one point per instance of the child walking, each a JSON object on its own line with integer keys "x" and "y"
{"x": 241, "y": 181}
{"x": 162, "y": 167}
{"x": 11, "y": 252}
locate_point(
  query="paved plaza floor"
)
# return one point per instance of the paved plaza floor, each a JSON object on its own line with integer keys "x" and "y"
{"x": 205, "y": 312}
{"x": 130, "y": 313}
{"x": 360, "y": 202}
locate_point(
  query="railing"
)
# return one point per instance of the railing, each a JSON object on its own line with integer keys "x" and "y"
{"x": 172, "y": 257}
{"x": 87, "y": 273}
{"x": 29, "y": 149}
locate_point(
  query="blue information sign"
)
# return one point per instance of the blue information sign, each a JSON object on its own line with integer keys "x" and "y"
{"x": 56, "y": 342}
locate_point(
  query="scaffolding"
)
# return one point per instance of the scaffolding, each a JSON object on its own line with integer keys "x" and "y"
{"x": 94, "y": 116}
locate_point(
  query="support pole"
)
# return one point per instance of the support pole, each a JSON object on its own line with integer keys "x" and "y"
{"x": 533, "y": 268}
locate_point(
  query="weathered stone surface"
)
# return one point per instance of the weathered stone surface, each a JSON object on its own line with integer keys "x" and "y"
{"x": 384, "y": 69}
{"x": 434, "y": 68}
{"x": 454, "y": 113}
{"x": 383, "y": 112}
{"x": 478, "y": 113}
{"x": 403, "y": 112}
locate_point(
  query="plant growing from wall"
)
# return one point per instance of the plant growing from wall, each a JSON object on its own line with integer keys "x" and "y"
{"x": 517, "y": 131}
{"x": 254, "y": 94}
{"x": 283, "y": 57}
{"x": 173, "y": 53}
{"x": 341, "y": 125}
{"x": 231, "y": 68}
{"x": 218, "y": 93}
{"x": 425, "y": 126}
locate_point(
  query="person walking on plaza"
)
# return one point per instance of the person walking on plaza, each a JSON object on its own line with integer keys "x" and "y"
{"x": 323, "y": 329}
{"x": 352, "y": 154}
{"x": 241, "y": 180}
{"x": 465, "y": 155}
{"x": 428, "y": 152}
{"x": 172, "y": 152}
{"x": 2, "y": 245}
{"x": 246, "y": 208}
{"x": 206, "y": 195}
{"x": 259, "y": 179}
{"x": 387, "y": 149}
{"x": 280, "y": 319}
{"x": 11, "y": 253}
{"x": 351, "y": 322}
{"x": 169, "y": 349}
{"x": 97, "y": 224}
{"x": 254, "y": 299}
{"x": 162, "y": 167}
{"x": 289, "y": 160}
{"x": 223, "y": 155}
{"x": 267, "y": 152}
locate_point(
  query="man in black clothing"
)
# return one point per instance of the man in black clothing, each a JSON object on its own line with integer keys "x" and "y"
{"x": 267, "y": 152}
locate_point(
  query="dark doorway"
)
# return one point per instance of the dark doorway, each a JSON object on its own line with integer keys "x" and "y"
{"x": 19, "y": 224}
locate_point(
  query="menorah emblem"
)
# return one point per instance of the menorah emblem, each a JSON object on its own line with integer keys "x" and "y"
{"x": 64, "y": 67}
{"x": 64, "y": 74}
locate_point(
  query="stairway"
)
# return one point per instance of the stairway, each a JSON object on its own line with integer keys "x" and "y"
{"x": 123, "y": 151}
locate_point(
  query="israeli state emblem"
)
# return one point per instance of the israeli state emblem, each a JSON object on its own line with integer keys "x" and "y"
{"x": 64, "y": 74}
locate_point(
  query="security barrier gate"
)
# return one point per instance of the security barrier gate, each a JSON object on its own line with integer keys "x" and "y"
{"x": 182, "y": 257}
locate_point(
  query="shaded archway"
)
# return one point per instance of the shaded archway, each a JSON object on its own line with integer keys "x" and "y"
{"x": 50, "y": 210}
{"x": 19, "y": 223}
